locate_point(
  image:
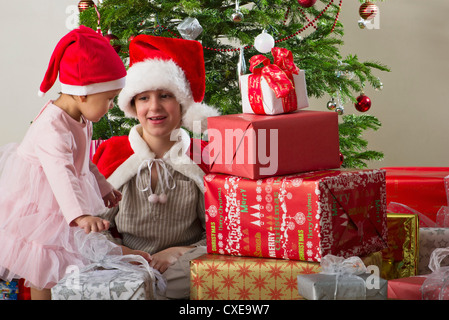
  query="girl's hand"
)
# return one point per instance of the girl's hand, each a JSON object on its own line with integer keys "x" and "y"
{"x": 112, "y": 198}
{"x": 91, "y": 223}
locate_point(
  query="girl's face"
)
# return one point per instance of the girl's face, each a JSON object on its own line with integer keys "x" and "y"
{"x": 95, "y": 106}
{"x": 158, "y": 112}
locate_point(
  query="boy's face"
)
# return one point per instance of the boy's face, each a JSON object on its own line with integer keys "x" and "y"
{"x": 95, "y": 106}
{"x": 158, "y": 112}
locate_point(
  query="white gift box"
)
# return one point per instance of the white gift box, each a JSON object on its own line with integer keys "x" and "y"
{"x": 105, "y": 285}
{"x": 108, "y": 275}
{"x": 273, "y": 105}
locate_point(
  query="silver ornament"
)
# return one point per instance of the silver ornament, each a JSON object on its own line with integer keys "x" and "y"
{"x": 190, "y": 28}
{"x": 340, "y": 110}
{"x": 362, "y": 23}
{"x": 237, "y": 16}
{"x": 241, "y": 65}
{"x": 331, "y": 105}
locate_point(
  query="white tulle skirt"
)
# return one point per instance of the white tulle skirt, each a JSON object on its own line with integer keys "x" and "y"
{"x": 36, "y": 242}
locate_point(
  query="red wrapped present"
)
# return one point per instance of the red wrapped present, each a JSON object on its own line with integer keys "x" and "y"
{"x": 408, "y": 288}
{"x": 299, "y": 217}
{"x": 420, "y": 188}
{"x": 255, "y": 146}
{"x": 274, "y": 88}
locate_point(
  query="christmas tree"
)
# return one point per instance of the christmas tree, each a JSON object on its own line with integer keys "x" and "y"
{"x": 227, "y": 30}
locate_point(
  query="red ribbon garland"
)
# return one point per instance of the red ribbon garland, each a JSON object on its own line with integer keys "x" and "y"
{"x": 279, "y": 76}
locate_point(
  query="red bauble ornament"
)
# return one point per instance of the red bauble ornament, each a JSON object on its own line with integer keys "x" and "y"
{"x": 368, "y": 10}
{"x": 363, "y": 103}
{"x": 306, "y": 3}
{"x": 112, "y": 38}
{"x": 85, "y": 4}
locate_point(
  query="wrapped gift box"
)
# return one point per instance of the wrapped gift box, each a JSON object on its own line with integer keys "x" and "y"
{"x": 436, "y": 284}
{"x": 223, "y": 277}
{"x": 299, "y": 217}
{"x": 9, "y": 290}
{"x": 255, "y": 146}
{"x": 273, "y": 88}
{"x": 400, "y": 258}
{"x": 421, "y": 188}
{"x": 322, "y": 286}
{"x": 343, "y": 279}
{"x": 429, "y": 240}
{"x": 109, "y": 274}
{"x": 271, "y": 104}
{"x": 105, "y": 284}
{"x": 408, "y": 288}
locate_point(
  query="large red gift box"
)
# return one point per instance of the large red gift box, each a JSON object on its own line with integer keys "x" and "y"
{"x": 420, "y": 188}
{"x": 299, "y": 217}
{"x": 255, "y": 146}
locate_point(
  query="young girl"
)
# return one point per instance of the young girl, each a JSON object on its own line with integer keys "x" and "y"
{"x": 162, "y": 213}
{"x": 47, "y": 183}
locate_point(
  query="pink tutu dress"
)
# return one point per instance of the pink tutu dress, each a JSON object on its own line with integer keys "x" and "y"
{"x": 45, "y": 183}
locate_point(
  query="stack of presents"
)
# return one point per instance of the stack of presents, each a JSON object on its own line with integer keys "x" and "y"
{"x": 284, "y": 221}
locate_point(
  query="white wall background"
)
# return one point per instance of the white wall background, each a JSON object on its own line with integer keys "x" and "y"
{"x": 412, "y": 39}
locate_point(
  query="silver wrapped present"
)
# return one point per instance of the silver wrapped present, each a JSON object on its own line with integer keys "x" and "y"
{"x": 429, "y": 240}
{"x": 110, "y": 275}
{"x": 342, "y": 279}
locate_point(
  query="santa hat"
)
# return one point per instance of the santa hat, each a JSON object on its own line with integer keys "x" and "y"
{"x": 176, "y": 65}
{"x": 86, "y": 63}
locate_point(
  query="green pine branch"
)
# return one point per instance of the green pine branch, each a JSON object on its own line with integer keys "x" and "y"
{"x": 317, "y": 51}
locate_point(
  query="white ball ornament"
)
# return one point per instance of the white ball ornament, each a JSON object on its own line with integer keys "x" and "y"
{"x": 264, "y": 42}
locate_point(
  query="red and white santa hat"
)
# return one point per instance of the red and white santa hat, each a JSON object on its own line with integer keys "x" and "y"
{"x": 86, "y": 63}
{"x": 176, "y": 65}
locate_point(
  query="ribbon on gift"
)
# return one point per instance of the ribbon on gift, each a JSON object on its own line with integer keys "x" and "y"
{"x": 102, "y": 253}
{"x": 424, "y": 221}
{"x": 436, "y": 285}
{"x": 343, "y": 269}
{"x": 279, "y": 77}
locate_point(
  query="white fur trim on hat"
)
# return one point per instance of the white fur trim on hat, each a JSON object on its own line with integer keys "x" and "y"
{"x": 153, "y": 75}
{"x": 157, "y": 74}
{"x": 197, "y": 115}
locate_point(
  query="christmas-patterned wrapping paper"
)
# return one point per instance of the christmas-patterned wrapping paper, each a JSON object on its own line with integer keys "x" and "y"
{"x": 105, "y": 285}
{"x": 429, "y": 240}
{"x": 258, "y": 146}
{"x": 400, "y": 258}
{"x": 224, "y": 277}
{"x": 9, "y": 290}
{"x": 299, "y": 217}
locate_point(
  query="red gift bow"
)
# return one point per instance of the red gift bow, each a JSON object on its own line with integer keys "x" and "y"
{"x": 279, "y": 77}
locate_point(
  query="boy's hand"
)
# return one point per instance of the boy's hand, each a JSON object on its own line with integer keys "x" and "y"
{"x": 92, "y": 224}
{"x": 112, "y": 198}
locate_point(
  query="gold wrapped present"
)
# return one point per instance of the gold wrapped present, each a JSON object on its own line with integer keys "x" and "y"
{"x": 224, "y": 277}
{"x": 400, "y": 258}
